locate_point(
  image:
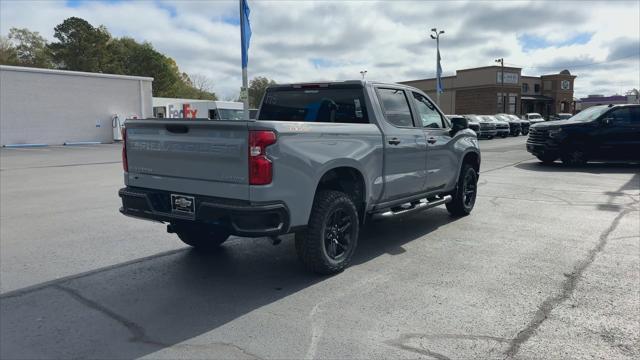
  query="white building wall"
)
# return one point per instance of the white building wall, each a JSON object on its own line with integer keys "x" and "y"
{"x": 40, "y": 106}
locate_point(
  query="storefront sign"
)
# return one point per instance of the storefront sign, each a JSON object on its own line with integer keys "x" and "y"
{"x": 509, "y": 78}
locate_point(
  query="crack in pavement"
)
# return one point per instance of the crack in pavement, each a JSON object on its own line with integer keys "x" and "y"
{"x": 401, "y": 342}
{"x": 138, "y": 333}
{"x": 568, "y": 286}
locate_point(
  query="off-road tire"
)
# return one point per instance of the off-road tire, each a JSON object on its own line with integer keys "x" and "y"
{"x": 202, "y": 237}
{"x": 546, "y": 159}
{"x": 459, "y": 206}
{"x": 574, "y": 157}
{"x": 311, "y": 243}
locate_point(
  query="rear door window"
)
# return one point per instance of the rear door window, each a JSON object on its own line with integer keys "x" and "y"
{"x": 395, "y": 106}
{"x": 318, "y": 104}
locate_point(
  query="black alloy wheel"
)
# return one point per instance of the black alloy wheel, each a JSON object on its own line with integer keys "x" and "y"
{"x": 337, "y": 234}
{"x": 469, "y": 190}
{"x": 464, "y": 197}
{"x": 329, "y": 241}
{"x": 574, "y": 157}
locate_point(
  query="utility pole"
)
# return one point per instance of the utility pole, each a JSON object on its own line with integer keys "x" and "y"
{"x": 436, "y": 36}
{"x": 363, "y": 73}
{"x": 504, "y": 103}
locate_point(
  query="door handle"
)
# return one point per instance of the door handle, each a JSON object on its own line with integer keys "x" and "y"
{"x": 432, "y": 140}
{"x": 394, "y": 141}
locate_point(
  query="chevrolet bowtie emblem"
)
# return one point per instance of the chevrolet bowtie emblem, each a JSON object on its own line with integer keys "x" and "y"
{"x": 182, "y": 202}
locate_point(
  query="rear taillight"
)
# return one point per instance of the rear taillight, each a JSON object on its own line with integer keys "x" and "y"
{"x": 125, "y": 162}
{"x": 260, "y": 167}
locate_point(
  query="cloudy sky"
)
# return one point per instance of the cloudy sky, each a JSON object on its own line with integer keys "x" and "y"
{"x": 321, "y": 40}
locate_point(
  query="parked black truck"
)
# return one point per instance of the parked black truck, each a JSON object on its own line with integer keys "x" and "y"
{"x": 606, "y": 132}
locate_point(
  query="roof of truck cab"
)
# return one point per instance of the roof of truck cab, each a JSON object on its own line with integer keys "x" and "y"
{"x": 344, "y": 82}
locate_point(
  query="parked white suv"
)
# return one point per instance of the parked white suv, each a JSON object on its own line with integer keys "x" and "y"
{"x": 533, "y": 118}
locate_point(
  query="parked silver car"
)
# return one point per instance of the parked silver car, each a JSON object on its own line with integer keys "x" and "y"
{"x": 515, "y": 126}
{"x": 487, "y": 128}
{"x": 502, "y": 127}
{"x": 524, "y": 124}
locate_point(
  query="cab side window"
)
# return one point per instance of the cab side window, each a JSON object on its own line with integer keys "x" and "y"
{"x": 428, "y": 114}
{"x": 621, "y": 116}
{"x": 396, "y": 107}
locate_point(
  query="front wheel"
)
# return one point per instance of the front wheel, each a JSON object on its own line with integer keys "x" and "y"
{"x": 202, "y": 237}
{"x": 547, "y": 159}
{"x": 574, "y": 157}
{"x": 464, "y": 197}
{"x": 504, "y": 135}
{"x": 328, "y": 243}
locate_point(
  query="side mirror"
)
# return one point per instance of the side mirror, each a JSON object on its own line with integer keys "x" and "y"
{"x": 458, "y": 123}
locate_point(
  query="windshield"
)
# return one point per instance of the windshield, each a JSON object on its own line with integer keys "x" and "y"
{"x": 338, "y": 105}
{"x": 590, "y": 114}
{"x": 535, "y": 116}
{"x": 230, "y": 114}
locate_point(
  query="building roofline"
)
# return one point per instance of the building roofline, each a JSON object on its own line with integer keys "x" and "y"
{"x": 428, "y": 79}
{"x": 73, "y": 73}
{"x": 489, "y": 67}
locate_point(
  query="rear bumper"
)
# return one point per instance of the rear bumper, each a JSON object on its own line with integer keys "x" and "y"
{"x": 240, "y": 217}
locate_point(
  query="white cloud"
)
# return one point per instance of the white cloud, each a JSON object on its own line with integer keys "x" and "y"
{"x": 388, "y": 39}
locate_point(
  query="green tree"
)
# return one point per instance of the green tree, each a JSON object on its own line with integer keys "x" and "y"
{"x": 31, "y": 48}
{"x": 8, "y": 53}
{"x": 257, "y": 88}
{"x": 80, "y": 46}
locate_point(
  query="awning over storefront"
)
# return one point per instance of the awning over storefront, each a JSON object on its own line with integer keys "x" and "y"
{"x": 536, "y": 98}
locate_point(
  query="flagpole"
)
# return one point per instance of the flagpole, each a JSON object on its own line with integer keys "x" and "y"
{"x": 436, "y": 36}
{"x": 438, "y": 70}
{"x": 244, "y": 92}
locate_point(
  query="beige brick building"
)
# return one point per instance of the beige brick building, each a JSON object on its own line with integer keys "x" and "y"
{"x": 482, "y": 91}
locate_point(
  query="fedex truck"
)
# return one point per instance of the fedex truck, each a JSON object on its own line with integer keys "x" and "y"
{"x": 191, "y": 109}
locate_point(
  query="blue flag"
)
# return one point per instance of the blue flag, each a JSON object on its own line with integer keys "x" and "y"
{"x": 439, "y": 87}
{"x": 245, "y": 31}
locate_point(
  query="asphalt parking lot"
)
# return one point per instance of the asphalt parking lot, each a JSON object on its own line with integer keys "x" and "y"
{"x": 547, "y": 266}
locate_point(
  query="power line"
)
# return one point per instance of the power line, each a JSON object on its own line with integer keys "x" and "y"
{"x": 575, "y": 65}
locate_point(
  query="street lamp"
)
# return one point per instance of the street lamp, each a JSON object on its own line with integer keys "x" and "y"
{"x": 504, "y": 104}
{"x": 436, "y": 36}
{"x": 363, "y": 73}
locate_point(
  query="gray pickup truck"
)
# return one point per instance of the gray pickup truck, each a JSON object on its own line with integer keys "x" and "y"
{"x": 319, "y": 161}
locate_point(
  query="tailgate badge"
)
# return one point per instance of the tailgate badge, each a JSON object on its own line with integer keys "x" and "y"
{"x": 183, "y": 204}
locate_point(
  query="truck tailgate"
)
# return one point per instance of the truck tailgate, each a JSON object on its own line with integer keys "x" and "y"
{"x": 200, "y": 157}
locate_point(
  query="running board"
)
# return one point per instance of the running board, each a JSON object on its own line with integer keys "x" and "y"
{"x": 416, "y": 208}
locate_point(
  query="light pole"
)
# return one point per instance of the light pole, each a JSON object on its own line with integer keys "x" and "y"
{"x": 363, "y": 73}
{"x": 436, "y": 36}
{"x": 504, "y": 104}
